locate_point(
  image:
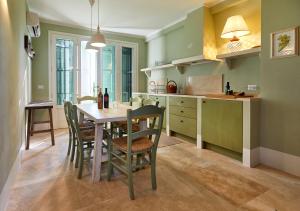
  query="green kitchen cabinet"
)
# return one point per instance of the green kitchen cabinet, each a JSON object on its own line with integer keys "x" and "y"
{"x": 183, "y": 116}
{"x": 222, "y": 123}
{"x": 162, "y": 102}
{"x": 183, "y": 125}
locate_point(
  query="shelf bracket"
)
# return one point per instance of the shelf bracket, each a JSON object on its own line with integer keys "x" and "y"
{"x": 228, "y": 63}
{"x": 148, "y": 73}
{"x": 180, "y": 68}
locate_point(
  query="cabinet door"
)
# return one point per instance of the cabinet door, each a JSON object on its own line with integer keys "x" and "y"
{"x": 183, "y": 125}
{"x": 222, "y": 123}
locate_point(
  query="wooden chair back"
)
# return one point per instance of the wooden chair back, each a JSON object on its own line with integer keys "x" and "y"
{"x": 151, "y": 112}
{"x": 150, "y": 102}
{"x": 136, "y": 102}
{"x": 86, "y": 98}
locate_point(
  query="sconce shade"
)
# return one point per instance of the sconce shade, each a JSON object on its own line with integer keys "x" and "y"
{"x": 235, "y": 27}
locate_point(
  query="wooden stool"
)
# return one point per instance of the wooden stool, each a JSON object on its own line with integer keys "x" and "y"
{"x": 31, "y": 107}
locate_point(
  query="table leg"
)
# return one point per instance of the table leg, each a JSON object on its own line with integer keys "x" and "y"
{"x": 51, "y": 126}
{"x": 96, "y": 172}
{"x": 81, "y": 117}
{"x": 28, "y": 129}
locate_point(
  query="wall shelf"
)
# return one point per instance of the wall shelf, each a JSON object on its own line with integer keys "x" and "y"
{"x": 244, "y": 53}
{"x": 149, "y": 69}
{"x": 180, "y": 64}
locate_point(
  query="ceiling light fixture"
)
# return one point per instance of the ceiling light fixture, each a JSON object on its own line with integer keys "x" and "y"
{"x": 88, "y": 46}
{"x": 98, "y": 39}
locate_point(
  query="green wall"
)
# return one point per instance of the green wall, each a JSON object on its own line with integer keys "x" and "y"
{"x": 185, "y": 39}
{"x": 40, "y": 75}
{"x": 13, "y": 66}
{"x": 280, "y": 81}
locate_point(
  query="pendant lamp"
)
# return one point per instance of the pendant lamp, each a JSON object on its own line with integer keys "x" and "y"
{"x": 88, "y": 46}
{"x": 98, "y": 39}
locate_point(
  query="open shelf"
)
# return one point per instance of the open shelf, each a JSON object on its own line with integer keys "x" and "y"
{"x": 244, "y": 53}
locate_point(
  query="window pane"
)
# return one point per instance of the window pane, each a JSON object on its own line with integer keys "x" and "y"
{"x": 126, "y": 74}
{"x": 64, "y": 70}
{"x": 88, "y": 72}
{"x": 108, "y": 71}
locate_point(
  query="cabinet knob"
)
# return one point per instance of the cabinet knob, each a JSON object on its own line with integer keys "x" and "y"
{"x": 181, "y": 111}
{"x": 182, "y": 102}
{"x": 203, "y": 101}
{"x": 181, "y": 121}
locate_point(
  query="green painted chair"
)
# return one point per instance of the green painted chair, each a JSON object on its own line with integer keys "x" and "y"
{"x": 72, "y": 137}
{"x": 135, "y": 144}
{"x": 84, "y": 140}
{"x": 86, "y": 98}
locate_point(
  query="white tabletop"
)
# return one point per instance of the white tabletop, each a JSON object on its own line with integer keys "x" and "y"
{"x": 104, "y": 115}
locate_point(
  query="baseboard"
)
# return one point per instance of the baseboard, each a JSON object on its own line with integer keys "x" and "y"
{"x": 251, "y": 157}
{"x": 9, "y": 182}
{"x": 279, "y": 160}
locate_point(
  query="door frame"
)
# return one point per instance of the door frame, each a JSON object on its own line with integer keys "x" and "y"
{"x": 59, "y": 120}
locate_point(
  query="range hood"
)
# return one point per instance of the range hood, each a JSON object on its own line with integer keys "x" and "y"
{"x": 200, "y": 42}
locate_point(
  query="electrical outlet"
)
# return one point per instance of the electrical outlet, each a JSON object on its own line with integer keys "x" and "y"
{"x": 40, "y": 87}
{"x": 252, "y": 87}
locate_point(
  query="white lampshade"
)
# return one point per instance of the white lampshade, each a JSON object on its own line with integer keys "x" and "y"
{"x": 91, "y": 48}
{"x": 98, "y": 39}
{"x": 235, "y": 27}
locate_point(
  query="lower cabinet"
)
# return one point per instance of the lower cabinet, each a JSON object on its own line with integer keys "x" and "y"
{"x": 183, "y": 125}
{"x": 162, "y": 102}
{"x": 222, "y": 124}
{"x": 183, "y": 116}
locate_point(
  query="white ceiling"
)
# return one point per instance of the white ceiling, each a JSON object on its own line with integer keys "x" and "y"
{"x": 138, "y": 17}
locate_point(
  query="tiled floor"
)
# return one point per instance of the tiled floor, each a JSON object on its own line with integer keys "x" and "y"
{"x": 188, "y": 179}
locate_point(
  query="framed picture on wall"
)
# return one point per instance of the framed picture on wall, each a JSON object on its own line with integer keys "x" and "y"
{"x": 285, "y": 43}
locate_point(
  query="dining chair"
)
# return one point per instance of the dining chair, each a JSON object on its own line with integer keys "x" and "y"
{"x": 86, "y": 98}
{"x": 136, "y": 143}
{"x": 84, "y": 140}
{"x": 72, "y": 136}
{"x": 122, "y": 125}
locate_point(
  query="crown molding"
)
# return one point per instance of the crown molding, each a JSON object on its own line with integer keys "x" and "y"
{"x": 47, "y": 21}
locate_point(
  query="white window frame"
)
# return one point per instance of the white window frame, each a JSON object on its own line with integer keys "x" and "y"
{"x": 52, "y": 35}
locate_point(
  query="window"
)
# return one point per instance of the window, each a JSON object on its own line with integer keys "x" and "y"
{"x": 77, "y": 72}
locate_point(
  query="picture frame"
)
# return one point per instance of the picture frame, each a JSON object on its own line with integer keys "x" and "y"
{"x": 285, "y": 43}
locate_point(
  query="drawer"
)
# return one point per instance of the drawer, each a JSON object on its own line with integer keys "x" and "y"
{"x": 183, "y": 125}
{"x": 184, "y": 102}
{"x": 183, "y": 111}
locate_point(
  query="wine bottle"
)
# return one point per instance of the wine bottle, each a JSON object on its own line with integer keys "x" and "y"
{"x": 106, "y": 99}
{"x": 100, "y": 99}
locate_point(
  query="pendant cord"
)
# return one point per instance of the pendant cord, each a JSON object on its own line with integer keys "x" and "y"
{"x": 91, "y": 18}
{"x": 98, "y": 12}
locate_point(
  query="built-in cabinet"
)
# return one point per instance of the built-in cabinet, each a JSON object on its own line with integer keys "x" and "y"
{"x": 227, "y": 126}
{"x": 222, "y": 124}
{"x": 162, "y": 103}
{"x": 183, "y": 116}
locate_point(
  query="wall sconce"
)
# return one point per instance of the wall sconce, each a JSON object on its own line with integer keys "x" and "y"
{"x": 234, "y": 28}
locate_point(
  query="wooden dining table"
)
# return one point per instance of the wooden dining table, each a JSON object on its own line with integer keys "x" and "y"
{"x": 100, "y": 117}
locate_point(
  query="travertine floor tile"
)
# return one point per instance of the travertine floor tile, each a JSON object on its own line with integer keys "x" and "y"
{"x": 187, "y": 178}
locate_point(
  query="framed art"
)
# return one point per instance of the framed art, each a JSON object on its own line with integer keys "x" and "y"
{"x": 285, "y": 43}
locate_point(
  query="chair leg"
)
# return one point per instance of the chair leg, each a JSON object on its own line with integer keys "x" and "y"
{"x": 70, "y": 143}
{"x": 73, "y": 148}
{"x": 130, "y": 182}
{"x": 77, "y": 158}
{"x": 80, "y": 163}
{"x": 110, "y": 166}
{"x": 153, "y": 169}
